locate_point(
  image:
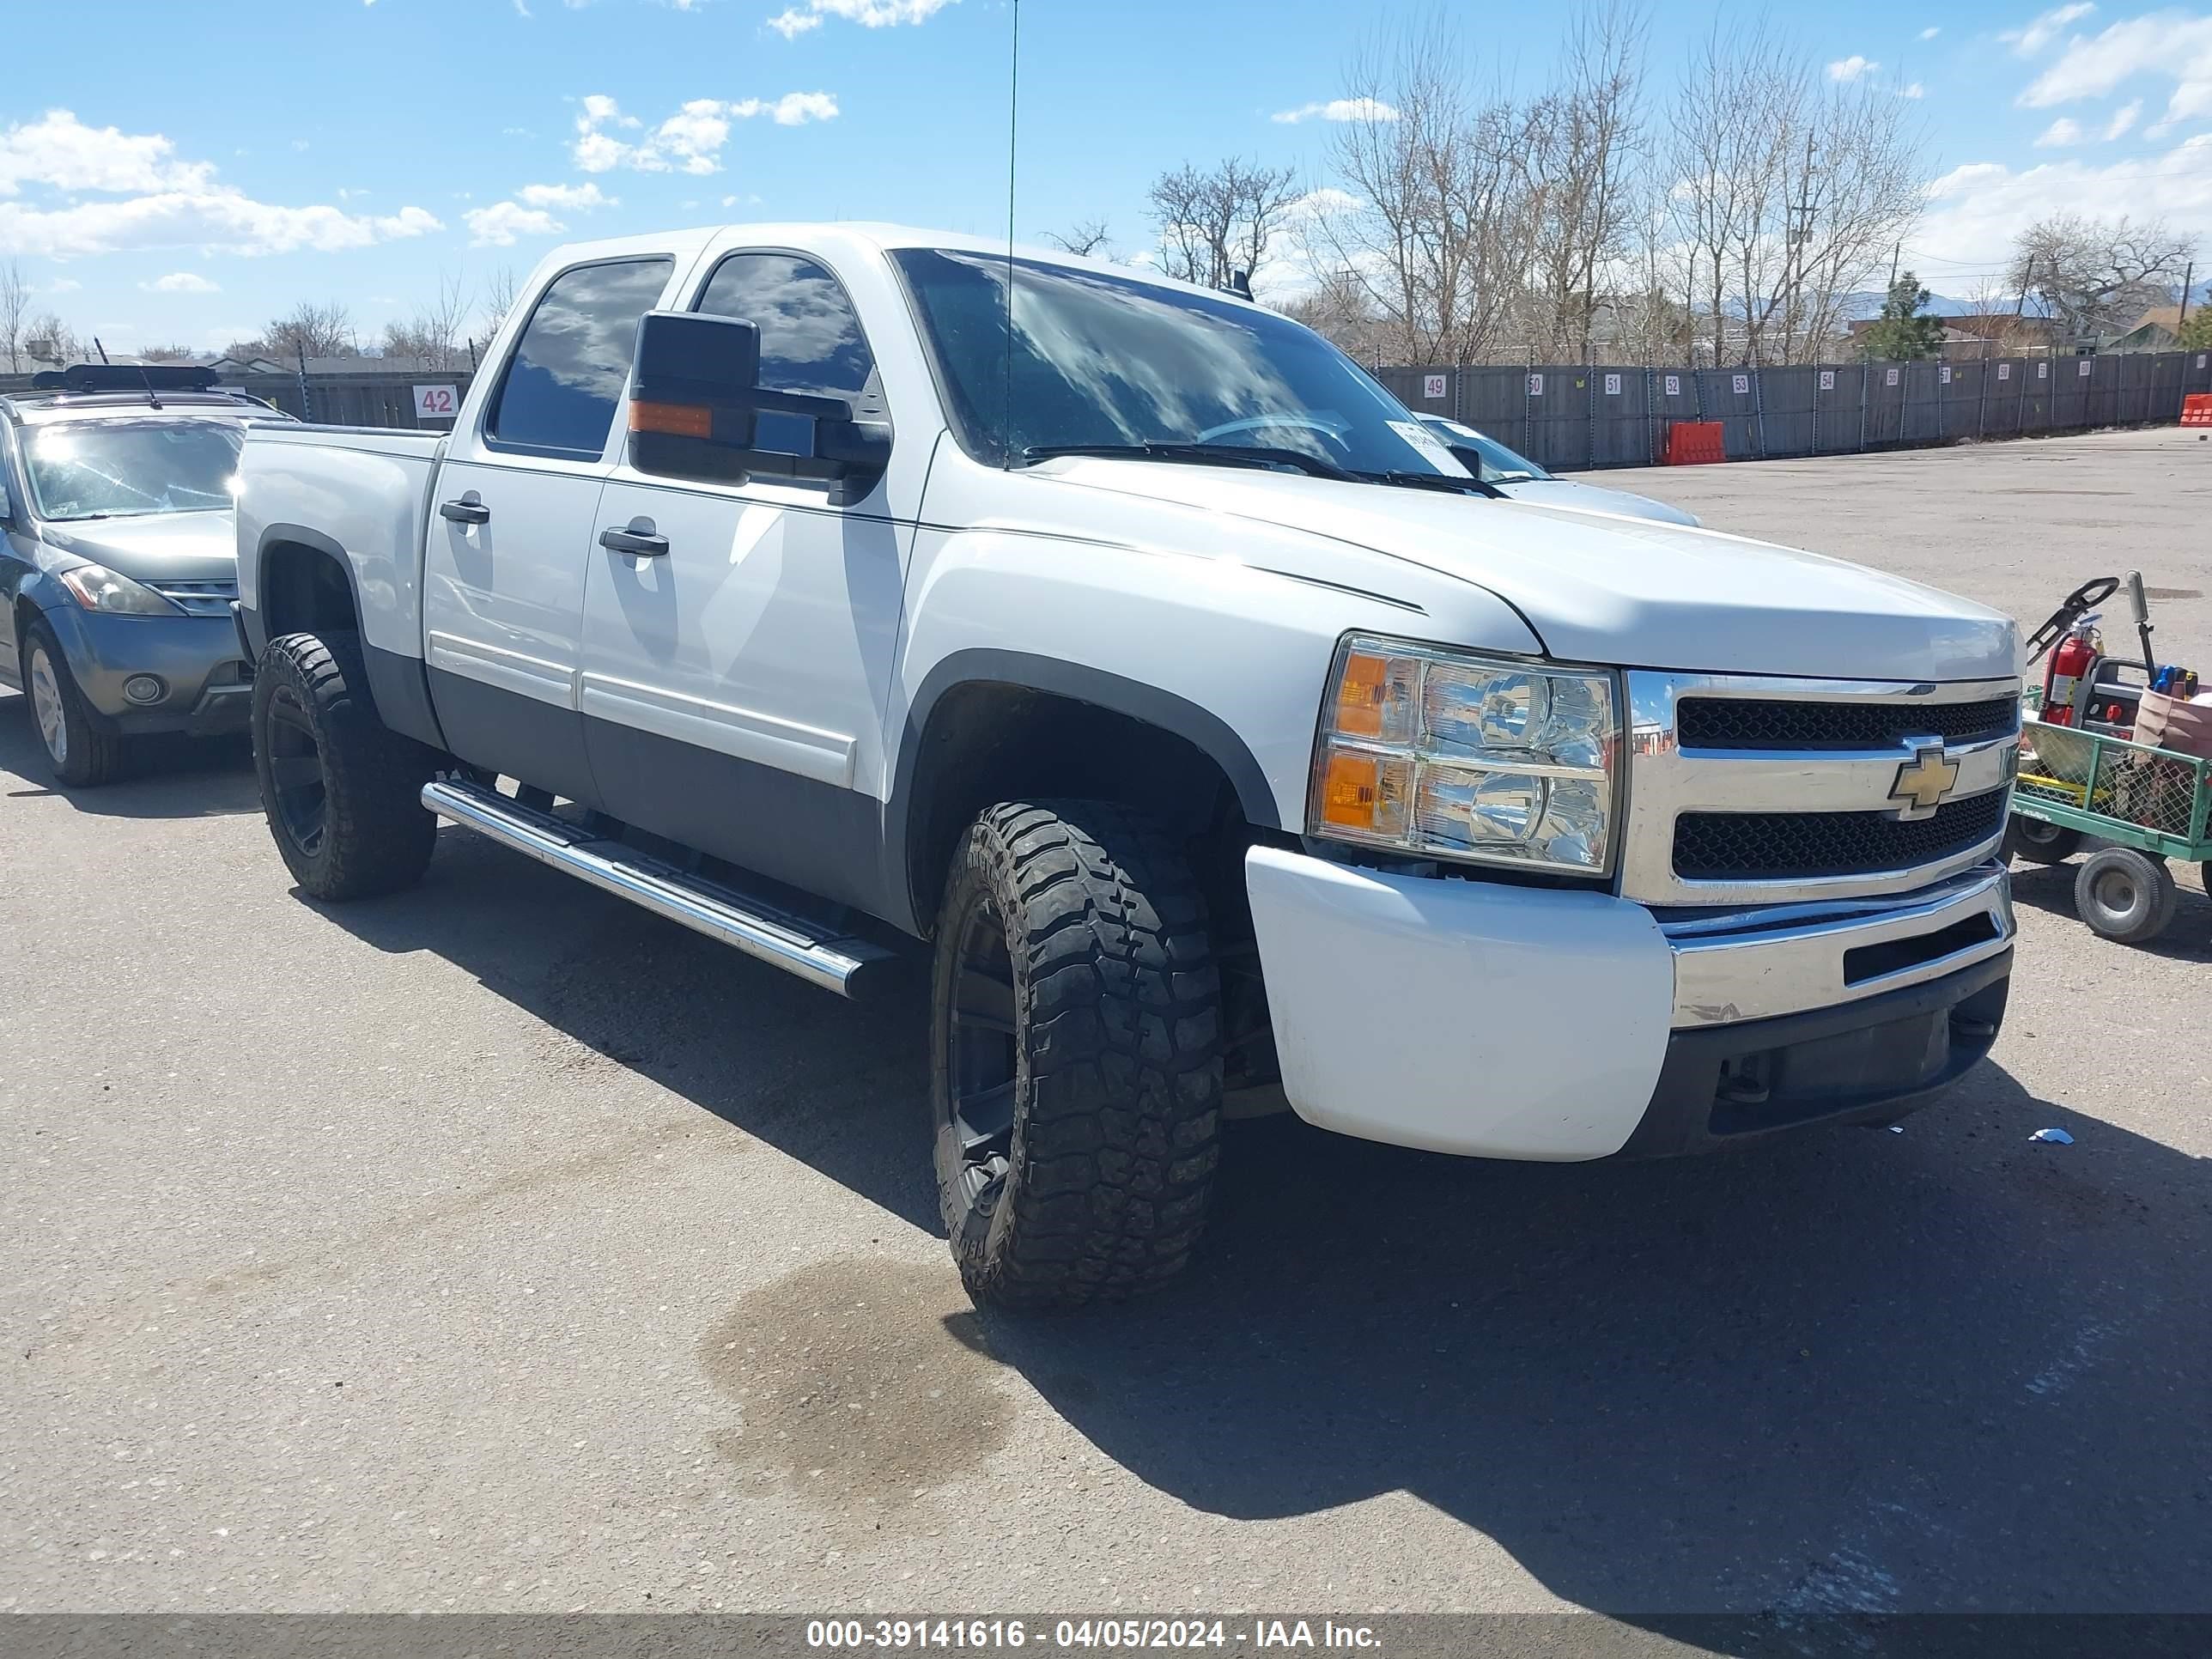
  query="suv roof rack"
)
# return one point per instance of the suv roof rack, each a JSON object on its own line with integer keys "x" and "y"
{"x": 126, "y": 377}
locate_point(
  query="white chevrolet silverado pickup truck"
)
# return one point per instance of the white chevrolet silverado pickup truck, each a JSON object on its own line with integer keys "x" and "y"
{"x": 829, "y": 589}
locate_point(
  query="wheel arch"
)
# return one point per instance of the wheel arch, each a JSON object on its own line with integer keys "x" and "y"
{"x": 304, "y": 582}
{"x": 989, "y": 725}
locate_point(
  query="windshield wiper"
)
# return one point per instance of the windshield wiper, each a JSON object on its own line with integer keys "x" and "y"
{"x": 1405, "y": 480}
{"x": 1257, "y": 455}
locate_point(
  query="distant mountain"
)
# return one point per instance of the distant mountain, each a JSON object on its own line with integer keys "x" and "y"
{"x": 1857, "y": 306}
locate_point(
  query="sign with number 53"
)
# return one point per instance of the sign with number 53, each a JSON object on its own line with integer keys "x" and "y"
{"x": 437, "y": 402}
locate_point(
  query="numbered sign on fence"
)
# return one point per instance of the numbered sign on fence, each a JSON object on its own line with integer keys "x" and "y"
{"x": 2200, "y": 360}
{"x": 1432, "y": 385}
{"x": 1889, "y": 377}
{"x": 1536, "y": 385}
{"x": 436, "y": 403}
{"x": 1675, "y": 381}
{"x": 1742, "y": 385}
{"x": 1612, "y": 385}
{"x": 2082, "y": 370}
{"x": 2042, "y": 371}
{"x": 1944, "y": 374}
{"x": 2004, "y": 371}
{"x": 1827, "y": 379}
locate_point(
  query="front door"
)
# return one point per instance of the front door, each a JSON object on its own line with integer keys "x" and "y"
{"x": 732, "y": 686}
{"x": 512, "y": 529}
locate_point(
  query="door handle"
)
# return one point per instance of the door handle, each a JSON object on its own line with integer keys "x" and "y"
{"x": 464, "y": 511}
{"x": 646, "y": 543}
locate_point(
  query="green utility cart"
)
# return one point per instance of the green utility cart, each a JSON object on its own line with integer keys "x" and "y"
{"x": 2149, "y": 805}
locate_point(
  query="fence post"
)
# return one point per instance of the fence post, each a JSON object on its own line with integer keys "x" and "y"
{"x": 1866, "y": 385}
{"x": 1982, "y": 398}
{"x": 1758, "y": 410}
{"x": 1528, "y": 410}
{"x": 1589, "y": 406}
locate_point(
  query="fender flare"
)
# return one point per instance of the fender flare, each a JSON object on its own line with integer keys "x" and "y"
{"x": 1201, "y": 728}
{"x": 399, "y": 685}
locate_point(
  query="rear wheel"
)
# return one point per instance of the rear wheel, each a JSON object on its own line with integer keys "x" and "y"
{"x": 84, "y": 750}
{"x": 2038, "y": 842}
{"x": 1075, "y": 1056}
{"x": 342, "y": 791}
{"x": 2126, "y": 896}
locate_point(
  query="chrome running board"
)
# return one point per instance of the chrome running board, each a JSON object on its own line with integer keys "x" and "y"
{"x": 821, "y": 955}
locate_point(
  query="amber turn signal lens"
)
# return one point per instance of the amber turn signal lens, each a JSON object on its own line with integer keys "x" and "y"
{"x": 678, "y": 420}
{"x": 1352, "y": 791}
{"x": 1361, "y": 694}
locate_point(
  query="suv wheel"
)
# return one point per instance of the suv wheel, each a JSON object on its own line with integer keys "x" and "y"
{"x": 342, "y": 791}
{"x": 83, "y": 749}
{"x": 1075, "y": 1055}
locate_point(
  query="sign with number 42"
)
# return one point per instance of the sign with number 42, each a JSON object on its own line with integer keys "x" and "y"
{"x": 437, "y": 402}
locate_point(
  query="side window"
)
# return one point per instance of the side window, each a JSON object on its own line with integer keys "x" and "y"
{"x": 568, "y": 370}
{"x": 810, "y": 337}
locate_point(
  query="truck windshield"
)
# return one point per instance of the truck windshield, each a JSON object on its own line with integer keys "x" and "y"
{"x": 114, "y": 469}
{"x": 1112, "y": 362}
{"x": 1499, "y": 464}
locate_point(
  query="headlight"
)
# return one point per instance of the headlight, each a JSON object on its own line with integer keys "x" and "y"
{"x": 98, "y": 588}
{"x": 1460, "y": 756}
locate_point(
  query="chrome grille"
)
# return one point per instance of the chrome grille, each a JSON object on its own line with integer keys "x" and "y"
{"x": 1775, "y": 846}
{"x": 1728, "y": 723}
{"x": 1748, "y": 789}
{"x": 209, "y": 599}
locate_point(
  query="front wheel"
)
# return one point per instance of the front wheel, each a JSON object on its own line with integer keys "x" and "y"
{"x": 1075, "y": 1055}
{"x": 342, "y": 791}
{"x": 82, "y": 749}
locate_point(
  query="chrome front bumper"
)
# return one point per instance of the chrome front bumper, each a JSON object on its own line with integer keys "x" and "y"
{"x": 1786, "y": 958}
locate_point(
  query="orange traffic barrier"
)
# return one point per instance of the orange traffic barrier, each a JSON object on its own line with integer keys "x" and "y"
{"x": 1691, "y": 443}
{"x": 2196, "y": 408}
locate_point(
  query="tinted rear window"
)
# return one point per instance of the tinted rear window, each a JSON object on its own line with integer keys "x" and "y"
{"x": 568, "y": 370}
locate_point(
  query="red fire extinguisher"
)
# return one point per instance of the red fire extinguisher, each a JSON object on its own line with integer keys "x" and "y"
{"x": 2066, "y": 676}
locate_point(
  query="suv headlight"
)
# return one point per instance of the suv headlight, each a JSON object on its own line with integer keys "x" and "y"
{"x": 1452, "y": 755}
{"x": 98, "y": 588}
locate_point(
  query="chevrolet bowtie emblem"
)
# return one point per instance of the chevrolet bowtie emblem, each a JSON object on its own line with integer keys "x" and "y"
{"x": 1923, "y": 781}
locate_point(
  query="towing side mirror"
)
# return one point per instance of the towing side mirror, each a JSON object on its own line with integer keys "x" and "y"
{"x": 697, "y": 404}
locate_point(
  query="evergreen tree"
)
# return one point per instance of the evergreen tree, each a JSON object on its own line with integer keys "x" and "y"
{"x": 1903, "y": 330}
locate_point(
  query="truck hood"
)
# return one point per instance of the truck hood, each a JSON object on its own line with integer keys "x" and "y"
{"x": 1628, "y": 592}
{"x": 171, "y": 547}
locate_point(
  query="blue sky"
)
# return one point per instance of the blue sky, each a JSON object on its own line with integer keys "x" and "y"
{"x": 221, "y": 160}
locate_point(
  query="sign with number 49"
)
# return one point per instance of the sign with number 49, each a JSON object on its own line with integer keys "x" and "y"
{"x": 1432, "y": 385}
{"x": 437, "y": 402}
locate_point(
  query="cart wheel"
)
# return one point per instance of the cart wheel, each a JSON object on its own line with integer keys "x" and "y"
{"x": 2125, "y": 896}
{"x": 2038, "y": 842}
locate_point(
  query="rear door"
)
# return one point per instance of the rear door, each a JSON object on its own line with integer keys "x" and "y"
{"x": 513, "y": 526}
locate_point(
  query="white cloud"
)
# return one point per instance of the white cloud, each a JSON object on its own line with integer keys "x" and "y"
{"x": 689, "y": 141}
{"x": 63, "y": 285}
{"x": 1975, "y": 211}
{"x": 2043, "y": 29}
{"x": 1338, "y": 109}
{"x": 2123, "y": 119}
{"x": 180, "y": 282}
{"x": 869, "y": 14}
{"x": 59, "y": 151}
{"x": 2061, "y": 132}
{"x": 577, "y": 198}
{"x": 1851, "y": 68}
{"x": 1931, "y": 32}
{"x": 163, "y": 202}
{"x": 2168, "y": 45}
{"x": 499, "y": 224}
{"x": 1914, "y": 90}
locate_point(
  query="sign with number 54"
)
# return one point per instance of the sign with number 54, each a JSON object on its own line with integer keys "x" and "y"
{"x": 437, "y": 402}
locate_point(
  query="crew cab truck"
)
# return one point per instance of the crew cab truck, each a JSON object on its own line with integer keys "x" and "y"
{"x": 841, "y": 591}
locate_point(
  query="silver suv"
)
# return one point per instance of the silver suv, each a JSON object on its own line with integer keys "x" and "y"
{"x": 117, "y": 565}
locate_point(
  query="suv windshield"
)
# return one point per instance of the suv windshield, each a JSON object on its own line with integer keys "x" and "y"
{"x": 1499, "y": 464}
{"x": 108, "y": 469}
{"x": 1102, "y": 361}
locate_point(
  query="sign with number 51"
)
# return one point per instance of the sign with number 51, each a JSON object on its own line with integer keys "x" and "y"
{"x": 437, "y": 402}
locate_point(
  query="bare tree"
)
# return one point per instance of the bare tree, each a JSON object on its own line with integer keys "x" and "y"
{"x": 47, "y": 338}
{"x": 432, "y": 333}
{"x": 499, "y": 299}
{"x": 1087, "y": 237}
{"x": 2097, "y": 275}
{"x": 307, "y": 330}
{"x": 14, "y": 301}
{"x": 170, "y": 354}
{"x": 1220, "y": 221}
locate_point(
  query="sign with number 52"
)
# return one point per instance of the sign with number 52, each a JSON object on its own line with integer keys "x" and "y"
{"x": 437, "y": 402}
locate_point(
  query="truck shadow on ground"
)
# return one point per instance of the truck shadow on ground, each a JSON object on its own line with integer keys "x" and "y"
{"x": 162, "y": 777}
{"x": 1863, "y": 1371}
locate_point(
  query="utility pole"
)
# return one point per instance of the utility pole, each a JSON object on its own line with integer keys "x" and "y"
{"x": 1799, "y": 235}
{"x": 1893, "y": 255}
{"x": 2187, "y": 281}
